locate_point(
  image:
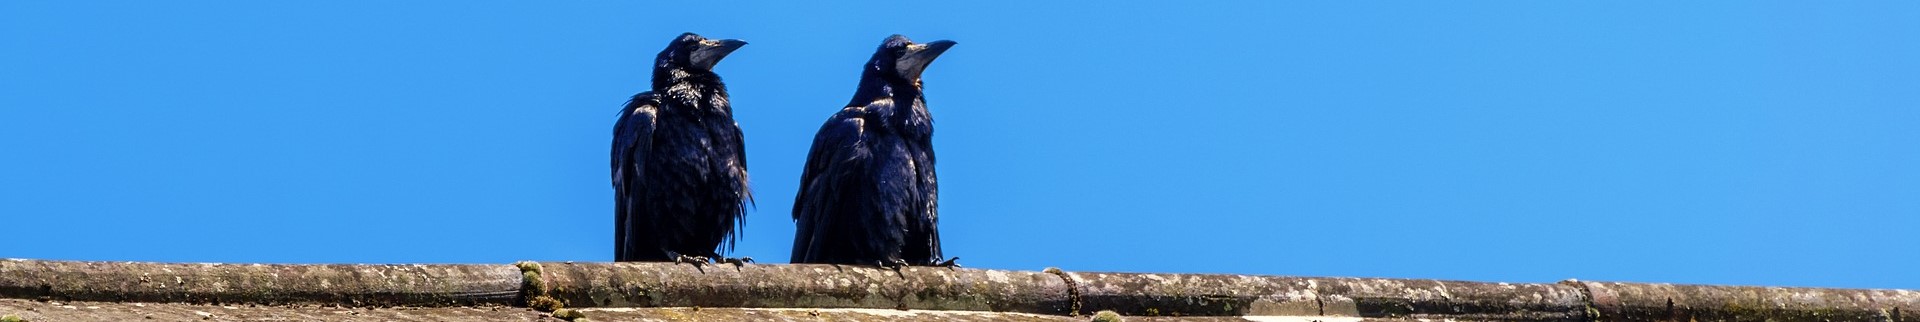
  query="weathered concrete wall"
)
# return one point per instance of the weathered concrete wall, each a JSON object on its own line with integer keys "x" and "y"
{"x": 794, "y": 291}
{"x": 352, "y": 285}
{"x": 66, "y": 311}
{"x": 1234, "y": 295}
{"x": 37, "y": 311}
{"x": 804, "y": 286}
{"x": 1669, "y": 302}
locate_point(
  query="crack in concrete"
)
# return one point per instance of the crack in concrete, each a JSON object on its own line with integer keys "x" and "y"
{"x": 1321, "y": 304}
{"x": 1592, "y": 312}
{"x": 1073, "y": 288}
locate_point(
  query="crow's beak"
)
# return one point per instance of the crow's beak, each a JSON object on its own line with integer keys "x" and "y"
{"x": 918, "y": 56}
{"x": 711, "y": 51}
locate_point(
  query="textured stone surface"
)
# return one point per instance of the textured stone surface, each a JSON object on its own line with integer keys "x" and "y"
{"x": 804, "y": 286}
{"x": 58, "y": 311}
{"x": 1196, "y": 294}
{"x": 1670, "y": 302}
{"x": 1235, "y": 295}
{"x": 114, "y": 291}
{"x": 38, "y": 311}
{"x": 1380, "y": 297}
{"x": 352, "y": 285}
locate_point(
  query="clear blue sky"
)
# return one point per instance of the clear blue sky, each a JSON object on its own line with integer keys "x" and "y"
{"x": 1725, "y": 142}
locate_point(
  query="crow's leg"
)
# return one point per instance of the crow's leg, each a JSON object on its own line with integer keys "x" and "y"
{"x": 743, "y": 260}
{"x": 697, "y": 261}
{"x": 893, "y": 264}
{"x": 949, "y": 263}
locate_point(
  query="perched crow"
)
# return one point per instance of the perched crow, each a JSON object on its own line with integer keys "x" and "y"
{"x": 679, "y": 163}
{"x": 868, "y": 194}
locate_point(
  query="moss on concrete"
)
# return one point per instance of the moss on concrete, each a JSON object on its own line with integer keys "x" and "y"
{"x": 1107, "y": 316}
{"x": 533, "y": 288}
{"x": 544, "y": 303}
{"x": 569, "y": 314}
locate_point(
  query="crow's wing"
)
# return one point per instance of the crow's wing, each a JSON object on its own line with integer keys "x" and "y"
{"x": 836, "y": 166}
{"x": 923, "y": 238}
{"x": 632, "y": 138}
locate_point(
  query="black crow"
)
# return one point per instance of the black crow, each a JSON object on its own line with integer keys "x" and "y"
{"x": 679, "y": 162}
{"x": 868, "y": 194}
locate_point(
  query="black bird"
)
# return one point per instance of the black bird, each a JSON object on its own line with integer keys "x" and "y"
{"x": 679, "y": 162}
{"x": 868, "y": 194}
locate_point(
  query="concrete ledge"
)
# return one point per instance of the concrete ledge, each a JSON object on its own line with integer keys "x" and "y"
{"x": 804, "y": 286}
{"x": 37, "y": 311}
{"x": 69, "y": 311}
{"x": 799, "y": 292}
{"x": 349, "y": 285}
{"x": 1240, "y": 295}
{"x": 1669, "y": 302}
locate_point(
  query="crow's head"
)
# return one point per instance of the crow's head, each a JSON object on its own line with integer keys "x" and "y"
{"x": 901, "y": 60}
{"x": 692, "y": 51}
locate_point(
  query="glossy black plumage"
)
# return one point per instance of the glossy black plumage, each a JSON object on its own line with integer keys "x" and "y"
{"x": 679, "y": 160}
{"x": 869, "y": 194}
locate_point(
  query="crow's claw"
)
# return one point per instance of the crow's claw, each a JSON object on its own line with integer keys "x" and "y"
{"x": 894, "y": 265}
{"x": 697, "y": 261}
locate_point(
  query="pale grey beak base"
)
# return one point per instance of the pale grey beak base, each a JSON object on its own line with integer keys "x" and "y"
{"x": 918, "y": 56}
{"x": 711, "y": 51}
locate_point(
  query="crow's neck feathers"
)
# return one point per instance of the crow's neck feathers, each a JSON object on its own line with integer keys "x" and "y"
{"x": 689, "y": 87}
{"x": 873, "y": 84}
{"x": 904, "y": 112}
